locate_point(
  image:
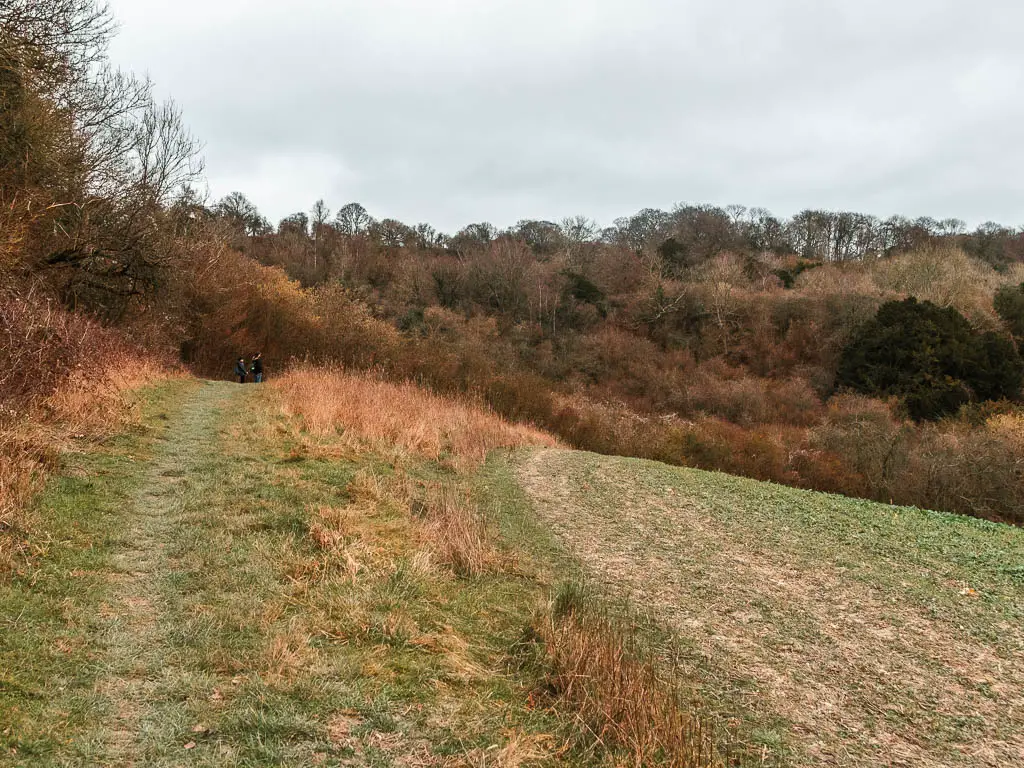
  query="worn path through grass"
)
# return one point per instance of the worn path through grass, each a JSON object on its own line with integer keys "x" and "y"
{"x": 139, "y": 660}
{"x": 221, "y": 588}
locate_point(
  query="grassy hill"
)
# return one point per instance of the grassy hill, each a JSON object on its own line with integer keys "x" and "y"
{"x": 335, "y": 570}
{"x": 841, "y": 632}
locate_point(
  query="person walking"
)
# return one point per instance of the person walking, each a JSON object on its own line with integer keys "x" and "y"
{"x": 257, "y": 368}
{"x": 240, "y": 370}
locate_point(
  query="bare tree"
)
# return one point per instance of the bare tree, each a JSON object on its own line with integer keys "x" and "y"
{"x": 242, "y": 213}
{"x": 352, "y": 219}
{"x": 737, "y": 213}
{"x": 473, "y": 238}
{"x": 116, "y": 247}
{"x": 392, "y": 233}
{"x": 428, "y": 238}
{"x": 55, "y": 42}
{"x": 295, "y": 223}
{"x": 164, "y": 156}
{"x": 543, "y": 237}
{"x": 952, "y": 227}
{"x": 319, "y": 217}
{"x": 89, "y": 147}
{"x": 578, "y": 232}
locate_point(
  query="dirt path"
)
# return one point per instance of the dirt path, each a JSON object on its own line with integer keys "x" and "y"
{"x": 880, "y": 636}
{"x": 138, "y": 656}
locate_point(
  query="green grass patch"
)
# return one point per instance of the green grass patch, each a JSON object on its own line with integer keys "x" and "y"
{"x": 181, "y": 610}
{"x": 820, "y": 625}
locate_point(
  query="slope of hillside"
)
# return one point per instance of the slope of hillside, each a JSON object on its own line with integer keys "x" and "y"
{"x": 843, "y": 632}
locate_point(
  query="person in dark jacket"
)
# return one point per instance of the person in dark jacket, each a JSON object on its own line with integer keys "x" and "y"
{"x": 240, "y": 370}
{"x": 257, "y": 368}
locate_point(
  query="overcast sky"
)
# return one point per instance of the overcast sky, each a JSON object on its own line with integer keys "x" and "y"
{"x": 456, "y": 111}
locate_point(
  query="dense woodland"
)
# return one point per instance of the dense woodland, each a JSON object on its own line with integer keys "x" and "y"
{"x": 830, "y": 350}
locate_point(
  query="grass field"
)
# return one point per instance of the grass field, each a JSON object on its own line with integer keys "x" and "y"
{"x": 257, "y": 576}
{"x": 834, "y": 631}
{"x": 223, "y": 588}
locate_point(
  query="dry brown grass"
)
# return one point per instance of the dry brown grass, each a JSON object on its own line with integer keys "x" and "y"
{"x": 62, "y": 376}
{"x": 456, "y": 533}
{"x": 102, "y": 401}
{"x": 402, "y": 416}
{"x": 447, "y": 525}
{"x": 431, "y": 527}
{"x": 617, "y": 695}
{"x": 288, "y": 650}
{"x": 24, "y": 458}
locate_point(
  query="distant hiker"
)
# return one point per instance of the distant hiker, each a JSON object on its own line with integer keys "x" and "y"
{"x": 240, "y": 370}
{"x": 257, "y": 368}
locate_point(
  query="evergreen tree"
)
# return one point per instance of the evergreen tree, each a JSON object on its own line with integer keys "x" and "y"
{"x": 930, "y": 357}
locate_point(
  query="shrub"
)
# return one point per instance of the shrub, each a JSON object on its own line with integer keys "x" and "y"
{"x": 763, "y": 454}
{"x": 976, "y": 472}
{"x": 793, "y": 401}
{"x": 946, "y": 276}
{"x": 61, "y": 374}
{"x": 520, "y": 397}
{"x": 789, "y": 275}
{"x": 42, "y": 347}
{"x": 930, "y": 357}
{"x": 719, "y": 390}
{"x": 1009, "y": 305}
{"x": 740, "y": 399}
{"x": 872, "y": 443}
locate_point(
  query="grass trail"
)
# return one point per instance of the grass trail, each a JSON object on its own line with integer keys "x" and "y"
{"x": 221, "y": 588}
{"x": 139, "y": 662}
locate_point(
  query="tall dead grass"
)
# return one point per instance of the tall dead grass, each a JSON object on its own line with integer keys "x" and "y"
{"x": 404, "y": 416}
{"x": 598, "y": 673}
{"x": 450, "y": 528}
{"x": 30, "y": 445}
{"x": 456, "y": 532}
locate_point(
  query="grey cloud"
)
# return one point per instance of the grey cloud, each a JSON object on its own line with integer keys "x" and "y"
{"x": 457, "y": 111}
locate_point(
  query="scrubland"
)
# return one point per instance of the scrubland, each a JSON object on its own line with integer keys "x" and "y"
{"x": 66, "y": 382}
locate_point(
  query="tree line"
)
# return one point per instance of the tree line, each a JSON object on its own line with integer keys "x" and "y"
{"x": 678, "y": 239}
{"x": 93, "y": 168}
